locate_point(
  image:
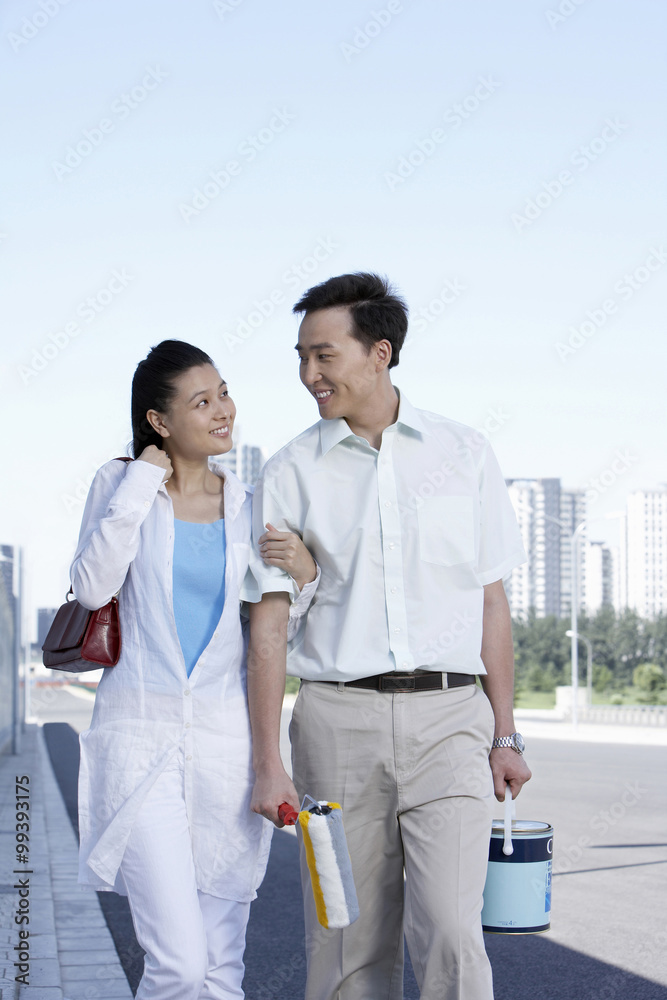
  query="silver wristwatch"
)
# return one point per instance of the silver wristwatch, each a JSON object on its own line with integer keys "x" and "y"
{"x": 514, "y": 742}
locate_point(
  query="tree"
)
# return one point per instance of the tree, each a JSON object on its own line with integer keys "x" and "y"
{"x": 620, "y": 643}
{"x": 541, "y": 678}
{"x": 657, "y": 641}
{"x": 600, "y": 630}
{"x": 632, "y": 643}
{"x": 602, "y": 677}
{"x": 650, "y": 679}
{"x": 541, "y": 642}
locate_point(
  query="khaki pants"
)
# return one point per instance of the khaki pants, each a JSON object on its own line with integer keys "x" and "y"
{"x": 411, "y": 772}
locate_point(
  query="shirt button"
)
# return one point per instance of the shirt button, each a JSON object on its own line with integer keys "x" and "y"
{"x": 147, "y": 503}
{"x": 187, "y": 691}
{"x": 187, "y": 725}
{"x": 397, "y": 630}
{"x": 394, "y": 590}
{"x": 406, "y": 664}
{"x": 392, "y": 545}
{"x": 189, "y": 757}
{"x": 387, "y": 503}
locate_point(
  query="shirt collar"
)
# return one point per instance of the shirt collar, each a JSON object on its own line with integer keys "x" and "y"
{"x": 409, "y": 416}
{"x": 235, "y": 490}
{"x": 332, "y": 432}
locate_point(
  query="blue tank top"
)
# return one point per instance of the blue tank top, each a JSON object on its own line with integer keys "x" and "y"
{"x": 199, "y": 584}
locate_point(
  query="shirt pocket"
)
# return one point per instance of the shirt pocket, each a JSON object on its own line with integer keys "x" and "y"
{"x": 446, "y": 530}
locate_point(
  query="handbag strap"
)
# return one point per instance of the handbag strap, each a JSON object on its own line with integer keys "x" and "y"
{"x": 119, "y": 458}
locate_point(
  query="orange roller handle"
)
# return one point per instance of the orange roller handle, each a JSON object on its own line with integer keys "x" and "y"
{"x": 286, "y": 814}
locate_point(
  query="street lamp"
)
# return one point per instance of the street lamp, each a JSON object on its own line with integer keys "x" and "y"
{"x": 589, "y": 665}
{"x": 574, "y": 604}
{"x": 574, "y": 614}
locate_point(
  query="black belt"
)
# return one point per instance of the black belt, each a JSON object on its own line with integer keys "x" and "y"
{"x": 401, "y": 683}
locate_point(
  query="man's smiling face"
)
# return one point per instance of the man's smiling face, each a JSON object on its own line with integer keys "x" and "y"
{"x": 334, "y": 366}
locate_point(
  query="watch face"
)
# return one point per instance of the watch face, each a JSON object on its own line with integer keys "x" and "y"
{"x": 518, "y": 742}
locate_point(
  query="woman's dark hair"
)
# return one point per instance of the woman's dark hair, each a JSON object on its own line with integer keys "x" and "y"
{"x": 153, "y": 386}
{"x": 377, "y": 312}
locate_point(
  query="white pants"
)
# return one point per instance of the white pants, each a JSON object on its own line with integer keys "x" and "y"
{"x": 194, "y": 942}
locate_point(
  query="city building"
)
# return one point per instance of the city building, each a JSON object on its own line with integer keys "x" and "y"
{"x": 9, "y": 645}
{"x": 246, "y": 460}
{"x": 646, "y": 552}
{"x": 547, "y": 515}
{"x": 45, "y": 618}
{"x": 572, "y": 513}
{"x": 536, "y": 584}
{"x": 599, "y": 578}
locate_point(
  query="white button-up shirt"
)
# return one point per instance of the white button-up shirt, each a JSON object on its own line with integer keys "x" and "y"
{"x": 406, "y": 538}
{"x": 147, "y": 709}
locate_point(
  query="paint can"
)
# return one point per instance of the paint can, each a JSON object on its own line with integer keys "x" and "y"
{"x": 517, "y": 894}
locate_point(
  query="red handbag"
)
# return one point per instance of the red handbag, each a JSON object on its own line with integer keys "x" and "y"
{"x": 80, "y": 639}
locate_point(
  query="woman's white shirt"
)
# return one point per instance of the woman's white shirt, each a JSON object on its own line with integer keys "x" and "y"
{"x": 147, "y": 709}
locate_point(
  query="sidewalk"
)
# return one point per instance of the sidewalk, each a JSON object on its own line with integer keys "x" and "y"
{"x": 70, "y": 952}
{"x": 547, "y": 724}
{"x": 78, "y": 961}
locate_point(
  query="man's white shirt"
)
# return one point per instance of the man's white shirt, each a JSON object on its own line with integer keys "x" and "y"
{"x": 406, "y": 539}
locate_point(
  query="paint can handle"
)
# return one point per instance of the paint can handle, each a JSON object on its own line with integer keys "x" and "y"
{"x": 508, "y": 847}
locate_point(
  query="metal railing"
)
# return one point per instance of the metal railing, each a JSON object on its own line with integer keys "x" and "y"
{"x": 624, "y": 715}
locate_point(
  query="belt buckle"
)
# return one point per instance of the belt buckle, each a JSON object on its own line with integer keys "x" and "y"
{"x": 397, "y": 685}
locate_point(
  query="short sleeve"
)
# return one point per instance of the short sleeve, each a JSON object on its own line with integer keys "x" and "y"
{"x": 500, "y": 543}
{"x": 261, "y": 579}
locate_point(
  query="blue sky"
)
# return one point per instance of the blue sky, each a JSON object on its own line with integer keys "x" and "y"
{"x": 504, "y": 164}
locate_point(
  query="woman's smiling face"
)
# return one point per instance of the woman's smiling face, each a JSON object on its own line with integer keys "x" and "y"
{"x": 201, "y": 416}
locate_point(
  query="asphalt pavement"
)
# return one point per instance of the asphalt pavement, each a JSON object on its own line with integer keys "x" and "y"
{"x": 606, "y": 802}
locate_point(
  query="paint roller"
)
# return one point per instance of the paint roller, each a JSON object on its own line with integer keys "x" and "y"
{"x": 321, "y": 825}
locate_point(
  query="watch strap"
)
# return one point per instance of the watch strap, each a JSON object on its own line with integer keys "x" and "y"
{"x": 511, "y": 742}
{"x": 502, "y": 741}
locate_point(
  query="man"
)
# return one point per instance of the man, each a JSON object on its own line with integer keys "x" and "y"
{"x": 408, "y": 517}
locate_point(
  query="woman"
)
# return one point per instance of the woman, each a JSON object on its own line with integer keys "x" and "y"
{"x": 166, "y": 774}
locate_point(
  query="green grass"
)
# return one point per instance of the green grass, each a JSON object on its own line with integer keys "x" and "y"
{"x": 536, "y": 699}
{"x": 630, "y": 695}
{"x": 546, "y": 699}
{"x": 292, "y": 685}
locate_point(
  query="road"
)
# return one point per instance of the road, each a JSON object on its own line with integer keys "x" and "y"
{"x": 606, "y": 803}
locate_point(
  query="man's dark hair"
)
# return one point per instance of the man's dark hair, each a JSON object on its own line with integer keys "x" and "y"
{"x": 153, "y": 386}
{"x": 377, "y": 312}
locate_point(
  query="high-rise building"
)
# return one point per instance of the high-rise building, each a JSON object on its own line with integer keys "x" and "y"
{"x": 572, "y": 513}
{"x": 252, "y": 460}
{"x": 646, "y": 552}
{"x": 8, "y": 644}
{"x": 599, "y": 584}
{"x": 246, "y": 460}
{"x": 45, "y": 618}
{"x": 547, "y": 516}
{"x": 7, "y": 572}
{"x": 536, "y": 584}
{"x": 633, "y": 575}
